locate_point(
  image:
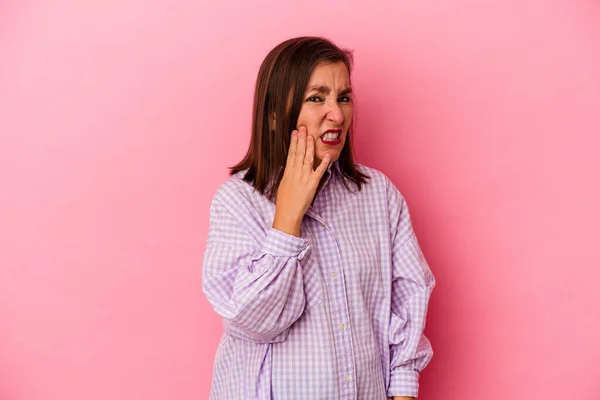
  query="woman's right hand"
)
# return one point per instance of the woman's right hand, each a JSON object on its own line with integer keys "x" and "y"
{"x": 299, "y": 184}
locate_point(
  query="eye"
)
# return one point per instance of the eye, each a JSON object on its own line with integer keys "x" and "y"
{"x": 314, "y": 99}
{"x": 344, "y": 99}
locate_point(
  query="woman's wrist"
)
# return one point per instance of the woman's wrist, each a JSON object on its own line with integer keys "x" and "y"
{"x": 289, "y": 225}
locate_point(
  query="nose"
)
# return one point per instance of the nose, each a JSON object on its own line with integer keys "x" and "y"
{"x": 335, "y": 114}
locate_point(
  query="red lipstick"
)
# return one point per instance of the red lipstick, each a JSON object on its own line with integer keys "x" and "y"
{"x": 332, "y": 140}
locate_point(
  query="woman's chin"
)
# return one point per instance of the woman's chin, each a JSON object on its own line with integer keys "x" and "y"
{"x": 333, "y": 155}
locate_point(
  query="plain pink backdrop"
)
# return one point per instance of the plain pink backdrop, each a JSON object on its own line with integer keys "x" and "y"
{"x": 118, "y": 120}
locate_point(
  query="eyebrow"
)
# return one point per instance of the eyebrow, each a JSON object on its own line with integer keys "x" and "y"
{"x": 326, "y": 90}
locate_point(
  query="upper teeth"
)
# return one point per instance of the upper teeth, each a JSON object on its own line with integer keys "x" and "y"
{"x": 331, "y": 136}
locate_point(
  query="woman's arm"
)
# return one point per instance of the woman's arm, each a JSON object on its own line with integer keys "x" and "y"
{"x": 257, "y": 283}
{"x": 412, "y": 284}
{"x": 410, "y": 350}
{"x": 257, "y": 288}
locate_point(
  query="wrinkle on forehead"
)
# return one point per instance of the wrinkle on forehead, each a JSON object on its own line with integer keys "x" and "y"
{"x": 339, "y": 77}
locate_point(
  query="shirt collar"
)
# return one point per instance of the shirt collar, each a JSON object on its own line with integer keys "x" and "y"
{"x": 335, "y": 166}
{"x": 332, "y": 169}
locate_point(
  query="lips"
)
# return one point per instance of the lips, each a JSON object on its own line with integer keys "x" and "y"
{"x": 331, "y": 137}
{"x": 336, "y": 131}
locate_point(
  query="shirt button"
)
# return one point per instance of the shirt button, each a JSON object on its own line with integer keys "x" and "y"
{"x": 322, "y": 223}
{"x": 348, "y": 378}
{"x": 342, "y": 327}
{"x": 334, "y": 274}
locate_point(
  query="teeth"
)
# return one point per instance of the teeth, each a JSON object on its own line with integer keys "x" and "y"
{"x": 331, "y": 136}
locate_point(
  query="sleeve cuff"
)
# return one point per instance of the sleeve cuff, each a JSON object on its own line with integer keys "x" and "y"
{"x": 281, "y": 244}
{"x": 404, "y": 382}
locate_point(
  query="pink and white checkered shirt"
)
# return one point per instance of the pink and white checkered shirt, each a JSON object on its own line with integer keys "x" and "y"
{"x": 337, "y": 313}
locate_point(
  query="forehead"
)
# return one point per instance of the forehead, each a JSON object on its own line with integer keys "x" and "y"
{"x": 331, "y": 74}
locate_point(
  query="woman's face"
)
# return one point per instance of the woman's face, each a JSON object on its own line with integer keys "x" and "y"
{"x": 327, "y": 109}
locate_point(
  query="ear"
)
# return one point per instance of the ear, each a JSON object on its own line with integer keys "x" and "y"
{"x": 273, "y": 121}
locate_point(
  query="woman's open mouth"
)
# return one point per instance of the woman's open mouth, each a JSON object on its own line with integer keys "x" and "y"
{"x": 331, "y": 137}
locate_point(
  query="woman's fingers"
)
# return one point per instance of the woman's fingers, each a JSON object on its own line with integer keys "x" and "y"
{"x": 301, "y": 148}
{"x": 301, "y": 155}
{"x": 292, "y": 150}
{"x": 299, "y": 183}
{"x": 309, "y": 157}
{"x": 320, "y": 171}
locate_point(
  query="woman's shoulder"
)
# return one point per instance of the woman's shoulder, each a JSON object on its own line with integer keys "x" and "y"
{"x": 233, "y": 187}
{"x": 237, "y": 194}
{"x": 379, "y": 181}
{"x": 371, "y": 172}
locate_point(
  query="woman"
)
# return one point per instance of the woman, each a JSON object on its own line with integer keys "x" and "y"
{"x": 311, "y": 259}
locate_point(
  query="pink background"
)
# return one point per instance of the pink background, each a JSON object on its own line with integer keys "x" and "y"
{"x": 118, "y": 120}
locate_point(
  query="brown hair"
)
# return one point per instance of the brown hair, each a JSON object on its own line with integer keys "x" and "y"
{"x": 282, "y": 79}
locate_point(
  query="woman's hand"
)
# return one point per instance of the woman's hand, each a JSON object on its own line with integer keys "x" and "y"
{"x": 299, "y": 183}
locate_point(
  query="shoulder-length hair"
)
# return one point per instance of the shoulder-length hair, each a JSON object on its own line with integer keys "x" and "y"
{"x": 282, "y": 80}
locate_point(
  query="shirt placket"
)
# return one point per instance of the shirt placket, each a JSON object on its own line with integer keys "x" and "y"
{"x": 335, "y": 281}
